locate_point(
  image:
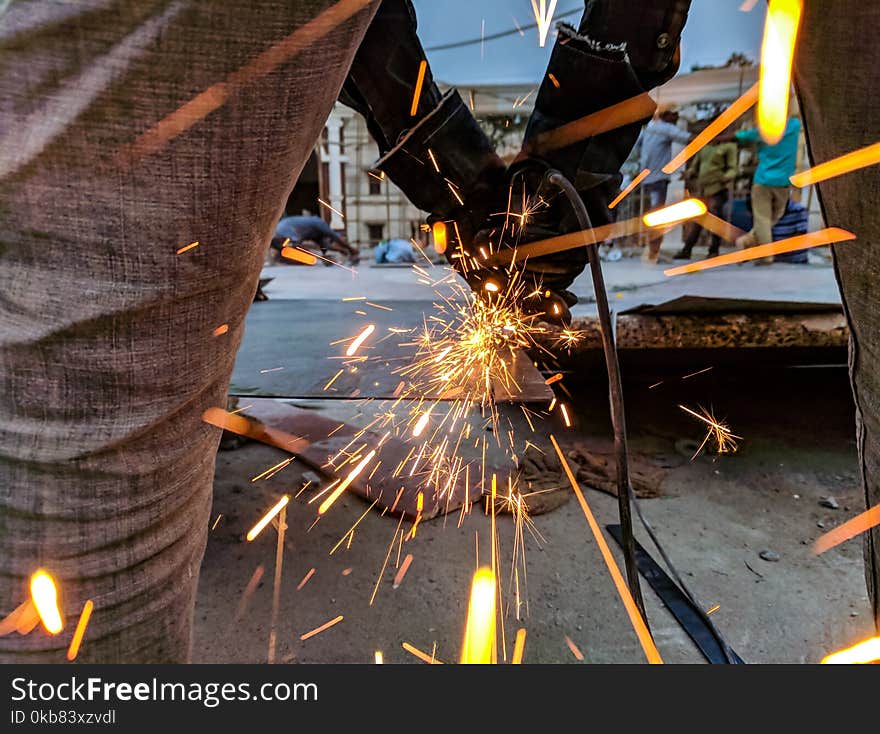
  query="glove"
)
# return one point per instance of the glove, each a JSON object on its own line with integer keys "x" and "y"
{"x": 447, "y": 166}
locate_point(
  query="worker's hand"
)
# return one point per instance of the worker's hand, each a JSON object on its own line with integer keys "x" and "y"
{"x": 532, "y": 210}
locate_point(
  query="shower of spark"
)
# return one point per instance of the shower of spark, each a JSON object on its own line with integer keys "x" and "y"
{"x": 718, "y": 433}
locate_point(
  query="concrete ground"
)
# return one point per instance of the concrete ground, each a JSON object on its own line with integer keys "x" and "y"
{"x": 715, "y": 515}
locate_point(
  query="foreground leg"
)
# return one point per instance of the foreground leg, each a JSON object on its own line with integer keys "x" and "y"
{"x": 132, "y": 133}
{"x": 836, "y": 63}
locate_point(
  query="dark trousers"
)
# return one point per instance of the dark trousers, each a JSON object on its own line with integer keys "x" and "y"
{"x": 715, "y": 204}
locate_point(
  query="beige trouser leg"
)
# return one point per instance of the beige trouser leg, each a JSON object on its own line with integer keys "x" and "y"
{"x": 768, "y": 206}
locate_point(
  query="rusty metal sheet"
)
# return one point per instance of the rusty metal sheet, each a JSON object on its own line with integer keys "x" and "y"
{"x": 317, "y": 447}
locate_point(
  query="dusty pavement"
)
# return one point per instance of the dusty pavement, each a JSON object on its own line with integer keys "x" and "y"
{"x": 714, "y": 515}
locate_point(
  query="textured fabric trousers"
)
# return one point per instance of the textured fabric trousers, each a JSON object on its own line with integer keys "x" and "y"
{"x": 768, "y": 206}
{"x": 128, "y": 130}
{"x": 838, "y": 75}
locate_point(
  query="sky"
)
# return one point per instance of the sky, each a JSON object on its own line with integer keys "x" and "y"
{"x": 715, "y": 30}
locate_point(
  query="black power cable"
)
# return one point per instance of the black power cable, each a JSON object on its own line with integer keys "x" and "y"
{"x": 615, "y": 390}
{"x": 625, "y": 494}
{"x": 496, "y": 36}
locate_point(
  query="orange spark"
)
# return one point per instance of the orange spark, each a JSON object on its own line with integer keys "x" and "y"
{"x": 438, "y": 230}
{"x": 713, "y": 609}
{"x": 190, "y": 246}
{"x": 22, "y": 619}
{"x": 305, "y": 579}
{"x": 191, "y": 112}
{"x": 423, "y": 656}
{"x": 799, "y": 242}
{"x": 629, "y": 604}
{"x": 421, "y": 423}
{"x": 404, "y": 567}
{"x": 280, "y": 465}
{"x": 333, "y": 379}
{"x": 567, "y": 241}
{"x": 319, "y": 630}
{"x": 519, "y": 645}
{"x": 335, "y": 211}
{"x": 851, "y": 528}
{"x": 417, "y": 93}
{"x": 554, "y": 80}
{"x": 565, "y": 415}
{"x": 777, "y": 54}
{"x": 479, "y": 635}
{"x": 433, "y": 160}
{"x": 379, "y": 658}
{"x": 629, "y": 189}
{"x": 220, "y": 330}
{"x": 239, "y": 424}
{"x": 267, "y": 518}
{"x": 73, "y": 650}
{"x": 378, "y": 305}
{"x": 674, "y": 213}
{"x": 713, "y": 129}
{"x": 867, "y": 651}
{"x": 555, "y": 378}
{"x": 298, "y": 255}
{"x": 544, "y": 19}
{"x": 248, "y": 590}
{"x": 861, "y": 158}
{"x": 343, "y": 485}
{"x": 617, "y": 115}
{"x": 491, "y": 286}
{"x": 575, "y": 650}
{"x": 748, "y": 6}
{"x": 44, "y": 595}
{"x": 360, "y": 339}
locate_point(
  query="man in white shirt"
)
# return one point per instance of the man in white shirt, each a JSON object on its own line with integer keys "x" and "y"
{"x": 655, "y": 151}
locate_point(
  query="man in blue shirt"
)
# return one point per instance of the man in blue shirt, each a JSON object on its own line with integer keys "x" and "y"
{"x": 770, "y": 186}
{"x": 654, "y": 148}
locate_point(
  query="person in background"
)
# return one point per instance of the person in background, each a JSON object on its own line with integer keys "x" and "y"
{"x": 708, "y": 175}
{"x": 771, "y": 183}
{"x": 394, "y": 251}
{"x": 655, "y": 151}
{"x": 300, "y": 230}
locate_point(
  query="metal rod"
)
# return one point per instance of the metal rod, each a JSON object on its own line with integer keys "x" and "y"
{"x": 615, "y": 391}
